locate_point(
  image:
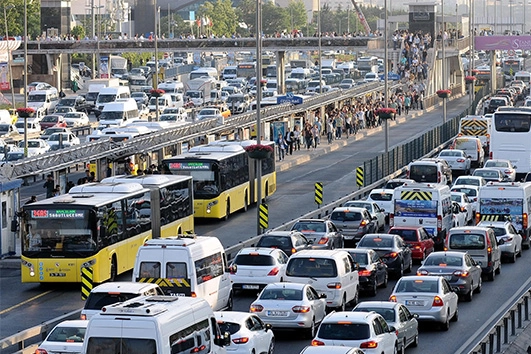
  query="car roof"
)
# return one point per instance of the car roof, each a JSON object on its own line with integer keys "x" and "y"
{"x": 280, "y": 233}
{"x": 125, "y": 287}
{"x": 358, "y": 250}
{"x": 231, "y": 316}
{"x": 284, "y": 285}
{"x": 73, "y": 323}
{"x": 468, "y": 228}
{"x": 486, "y": 223}
{"x": 381, "y": 304}
{"x": 259, "y": 250}
{"x": 380, "y": 235}
{"x": 350, "y": 316}
{"x": 358, "y": 209}
{"x": 318, "y": 253}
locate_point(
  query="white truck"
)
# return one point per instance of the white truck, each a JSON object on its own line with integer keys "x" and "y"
{"x": 95, "y": 85}
{"x": 118, "y": 66}
{"x": 199, "y": 90}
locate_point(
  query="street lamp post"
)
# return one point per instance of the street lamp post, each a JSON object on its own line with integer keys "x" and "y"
{"x": 444, "y": 78}
{"x": 9, "y": 68}
{"x": 258, "y": 110}
{"x": 156, "y": 81}
{"x": 320, "y": 48}
{"x": 386, "y": 78}
{"x": 25, "y": 76}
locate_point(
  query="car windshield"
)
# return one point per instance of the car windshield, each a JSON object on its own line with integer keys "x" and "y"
{"x": 51, "y": 119}
{"x": 4, "y": 128}
{"x": 384, "y": 197}
{"x": 456, "y": 198}
{"x": 281, "y": 294}
{"x": 346, "y": 216}
{"x": 387, "y": 314}
{"x": 31, "y": 144}
{"x": 254, "y": 260}
{"x": 312, "y": 267}
{"x": 417, "y": 286}
{"x": 207, "y": 112}
{"x": 344, "y": 331}
{"x": 393, "y": 184}
{"x": 66, "y": 334}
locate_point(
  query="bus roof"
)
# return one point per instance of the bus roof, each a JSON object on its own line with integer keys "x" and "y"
{"x": 147, "y": 180}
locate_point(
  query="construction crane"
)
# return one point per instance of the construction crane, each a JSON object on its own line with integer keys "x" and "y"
{"x": 361, "y": 16}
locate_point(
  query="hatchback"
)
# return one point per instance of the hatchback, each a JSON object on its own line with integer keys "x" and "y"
{"x": 376, "y": 212}
{"x": 254, "y": 268}
{"x": 398, "y": 316}
{"x": 66, "y": 337}
{"x": 471, "y": 192}
{"x": 417, "y": 238}
{"x": 458, "y": 268}
{"x": 288, "y": 241}
{"x": 323, "y": 233}
{"x": 353, "y": 223}
{"x": 372, "y": 271}
{"x": 367, "y": 330}
{"x": 291, "y": 306}
{"x": 331, "y": 349}
{"x": 392, "y": 249}
{"x": 457, "y": 160}
{"x": 384, "y": 199}
{"x": 505, "y": 166}
{"x": 512, "y": 240}
{"x": 431, "y": 297}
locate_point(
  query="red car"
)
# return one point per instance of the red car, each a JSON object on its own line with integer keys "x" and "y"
{"x": 51, "y": 120}
{"x": 417, "y": 238}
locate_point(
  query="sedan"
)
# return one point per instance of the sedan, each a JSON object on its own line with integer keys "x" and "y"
{"x": 46, "y": 134}
{"x": 288, "y": 241}
{"x": 376, "y": 212}
{"x": 457, "y": 160}
{"x": 323, "y": 233}
{"x": 331, "y": 349}
{"x": 464, "y": 203}
{"x": 66, "y": 337}
{"x": 392, "y": 249}
{"x": 248, "y": 333}
{"x": 35, "y": 147}
{"x": 461, "y": 271}
{"x": 62, "y": 110}
{"x": 208, "y": 113}
{"x": 505, "y": 166}
{"x": 253, "y": 268}
{"x": 51, "y": 120}
{"x": 61, "y": 140}
{"x": 430, "y": 297}
{"x": 470, "y": 181}
{"x": 398, "y": 316}
{"x": 417, "y": 238}
{"x": 490, "y": 174}
{"x": 76, "y": 119}
{"x": 372, "y": 271}
{"x": 512, "y": 240}
{"x": 291, "y": 306}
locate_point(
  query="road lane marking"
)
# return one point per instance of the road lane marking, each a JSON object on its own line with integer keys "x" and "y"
{"x": 25, "y": 302}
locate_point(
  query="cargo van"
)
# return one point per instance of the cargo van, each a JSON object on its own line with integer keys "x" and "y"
{"x": 187, "y": 266}
{"x": 472, "y": 147}
{"x": 506, "y": 201}
{"x": 121, "y": 112}
{"x": 155, "y": 324}
{"x": 110, "y": 94}
{"x": 480, "y": 243}
{"x": 426, "y": 205}
{"x": 165, "y": 101}
{"x": 43, "y": 101}
{"x": 172, "y": 86}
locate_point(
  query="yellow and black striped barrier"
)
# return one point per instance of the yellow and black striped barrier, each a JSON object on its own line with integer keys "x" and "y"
{"x": 86, "y": 282}
{"x": 359, "y": 176}
{"x": 414, "y": 195}
{"x": 264, "y": 216}
{"x": 166, "y": 283}
{"x": 318, "y": 193}
{"x": 492, "y": 217}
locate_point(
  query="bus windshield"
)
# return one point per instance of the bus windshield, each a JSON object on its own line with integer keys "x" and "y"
{"x": 206, "y": 184}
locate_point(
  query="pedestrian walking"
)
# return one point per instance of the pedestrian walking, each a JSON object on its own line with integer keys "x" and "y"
{"x": 288, "y": 137}
{"x": 281, "y": 145}
{"x": 297, "y": 138}
{"x": 50, "y": 186}
{"x": 330, "y": 130}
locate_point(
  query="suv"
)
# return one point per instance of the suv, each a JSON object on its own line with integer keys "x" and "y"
{"x": 111, "y": 293}
{"x": 332, "y": 272}
{"x": 288, "y": 241}
{"x": 323, "y": 233}
{"x": 497, "y": 101}
{"x": 353, "y": 222}
{"x": 366, "y": 330}
{"x": 429, "y": 171}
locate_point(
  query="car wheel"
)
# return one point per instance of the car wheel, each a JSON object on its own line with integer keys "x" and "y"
{"x": 374, "y": 289}
{"x": 343, "y": 305}
{"x": 446, "y": 324}
{"x": 415, "y": 342}
{"x": 386, "y": 278}
{"x": 480, "y": 286}
{"x": 310, "y": 332}
{"x": 408, "y": 269}
{"x": 230, "y": 302}
{"x": 469, "y": 295}
{"x": 271, "y": 346}
{"x": 400, "y": 272}
{"x": 402, "y": 349}
{"x": 456, "y": 315}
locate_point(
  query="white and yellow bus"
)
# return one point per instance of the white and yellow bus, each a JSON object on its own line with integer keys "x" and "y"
{"x": 101, "y": 226}
{"x": 224, "y": 177}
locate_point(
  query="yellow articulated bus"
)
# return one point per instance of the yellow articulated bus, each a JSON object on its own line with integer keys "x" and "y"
{"x": 224, "y": 177}
{"x": 100, "y": 226}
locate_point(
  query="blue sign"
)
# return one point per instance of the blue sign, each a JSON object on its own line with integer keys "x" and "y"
{"x": 390, "y": 76}
{"x": 290, "y": 98}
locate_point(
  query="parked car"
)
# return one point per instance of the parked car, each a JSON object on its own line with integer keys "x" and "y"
{"x": 461, "y": 271}
{"x": 392, "y": 249}
{"x": 417, "y": 238}
{"x": 397, "y": 316}
{"x": 288, "y": 241}
{"x": 323, "y": 233}
{"x": 372, "y": 271}
{"x": 430, "y": 297}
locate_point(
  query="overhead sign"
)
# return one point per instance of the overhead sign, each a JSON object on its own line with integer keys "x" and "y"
{"x": 502, "y": 42}
{"x": 290, "y": 98}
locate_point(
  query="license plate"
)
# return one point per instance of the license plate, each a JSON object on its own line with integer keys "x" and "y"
{"x": 251, "y": 287}
{"x": 447, "y": 277}
{"x": 414, "y": 303}
{"x": 277, "y": 313}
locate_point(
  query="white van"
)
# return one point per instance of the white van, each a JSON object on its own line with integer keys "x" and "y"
{"x": 5, "y": 116}
{"x": 155, "y": 324}
{"x": 426, "y": 205}
{"x": 172, "y": 86}
{"x": 207, "y": 71}
{"x": 165, "y": 101}
{"x": 187, "y": 266}
{"x": 507, "y": 201}
{"x": 229, "y": 72}
{"x": 110, "y": 94}
{"x": 121, "y": 112}
{"x": 43, "y": 101}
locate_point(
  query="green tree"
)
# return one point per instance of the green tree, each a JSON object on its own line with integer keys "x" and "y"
{"x": 221, "y": 15}
{"x": 15, "y": 17}
{"x": 274, "y": 19}
{"x": 298, "y": 15}
{"x": 78, "y": 31}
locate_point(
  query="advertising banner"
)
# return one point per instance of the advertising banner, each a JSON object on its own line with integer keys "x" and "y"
{"x": 104, "y": 67}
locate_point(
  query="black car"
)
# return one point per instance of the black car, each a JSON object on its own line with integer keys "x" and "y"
{"x": 392, "y": 249}
{"x": 288, "y": 241}
{"x": 372, "y": 271}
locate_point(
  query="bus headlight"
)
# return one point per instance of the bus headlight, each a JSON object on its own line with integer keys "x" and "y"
{"x": 30, "y": 266}
{"x": 88, "y": 264}
{"x": 210, "y": 205}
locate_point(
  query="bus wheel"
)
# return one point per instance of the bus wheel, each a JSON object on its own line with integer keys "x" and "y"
{"x": 227, "y": 213}
{"x": 114, "y": 271}
{"x": 245, "y": 203}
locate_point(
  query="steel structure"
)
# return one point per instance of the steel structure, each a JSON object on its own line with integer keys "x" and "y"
{"x": 361, "y": 17}
{"x": 152, "y": 142}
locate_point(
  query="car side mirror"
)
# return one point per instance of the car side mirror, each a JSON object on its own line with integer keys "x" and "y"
{"x": 500, "y": 242}
{"x": 374, "y": 218}
{"x": 391, "y": 329}
{"x": 322, "y": 296}
{"x": 232, "y": 269}
{"x": 268, "y": 326}
{"x": 310, "y": 242}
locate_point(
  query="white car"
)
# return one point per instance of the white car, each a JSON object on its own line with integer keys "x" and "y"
{"x": 429, "y": 296}
{"x": 471, "y": 191}
{"x": 35, "y": 147}
{"x": 62, "y": 140}
{"x": 374, "y": 210}
{"x": 76, "y": 119}
{"x": 384, "y": 198}
{"x": 505, "y": 166}
{"x": 62, "y": 110}
{"x": 291, "y": 306}
{"x": 66, "y": 337}
{"x": 32, "y": 126}
{"x": 208, "y": 113}
{"x": 255, "y": 267}
{"x": 470, "y": 180}
{"x": 456, "y": 159}
{"x": 357, "y": 329}
{"x": 248, "y": 333}
{"x": 371, "y": 77}
{"x": 331, "y": 349}
{"x": 464, "y": 203}
{"x": 459, "y": 217}
{"x": 512, "y": 240}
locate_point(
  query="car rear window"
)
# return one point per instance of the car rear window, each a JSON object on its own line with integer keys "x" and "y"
{"x": 254, "y": 260}
{"x": 309, "y": 227}
{"x": 387, "y": 314}
{"x": 435, "y": 260}
{"x": 423, "y": 173}
{"x": 499, "y": 231}
{"x": 470, "y": 181}
{"x": 467, "y": 241}
{"x": 417, "y": 286}
{"x": 344, "y": 331}
{"x": 360, "y": 258}
{"x": 274, "y": 241}
{"x": 230, "y": 327}
{"x": 470, "y": 192}
{"x": 96, "y": 301}
{"x": 386, "y": 197}
{"x": 346, "y": 216}
{"x": 465, "y": 144}
{"x": 311, "y": 267}
{"x": 67, "y": 334}
{"x": 407, "y": 235}
{"x": 376, "y": 242}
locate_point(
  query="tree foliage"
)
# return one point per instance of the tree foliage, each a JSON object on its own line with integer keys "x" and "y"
{"x": 15, "y": 17}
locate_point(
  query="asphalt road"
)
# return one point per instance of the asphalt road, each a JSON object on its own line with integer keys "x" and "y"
{"x": 26, "y": 305}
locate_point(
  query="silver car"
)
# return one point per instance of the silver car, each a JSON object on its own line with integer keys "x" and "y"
{"x": 505, "y": 166}
{"x": 291, "y": 306}
{"x": 512, "y": 240}
{"x": 323, "y": 233}
{"x": 398, "y": 316}
{"x": 458, "y": 160}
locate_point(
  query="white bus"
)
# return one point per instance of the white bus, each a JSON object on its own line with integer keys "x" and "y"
{"x": 367, "y": 64}
{"x": 511, "y": 138}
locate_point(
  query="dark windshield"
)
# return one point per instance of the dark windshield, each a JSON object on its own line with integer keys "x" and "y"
{"x": 407, "y": 235}
{"x": 509, "y": 122}
{"x": 312, "y": 267}
{"x": 254, "y": 260}
{"x": 104, "y": 345}
{"x": 96, "y": 300}
{"x": 467, "y": 241}
{"x": 344, "y": 331}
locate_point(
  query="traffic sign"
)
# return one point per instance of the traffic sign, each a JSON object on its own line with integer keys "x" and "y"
{"x": 359, "y": 176}
{"x": 264, "y": 217}
{"x": 290, "y": 98}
